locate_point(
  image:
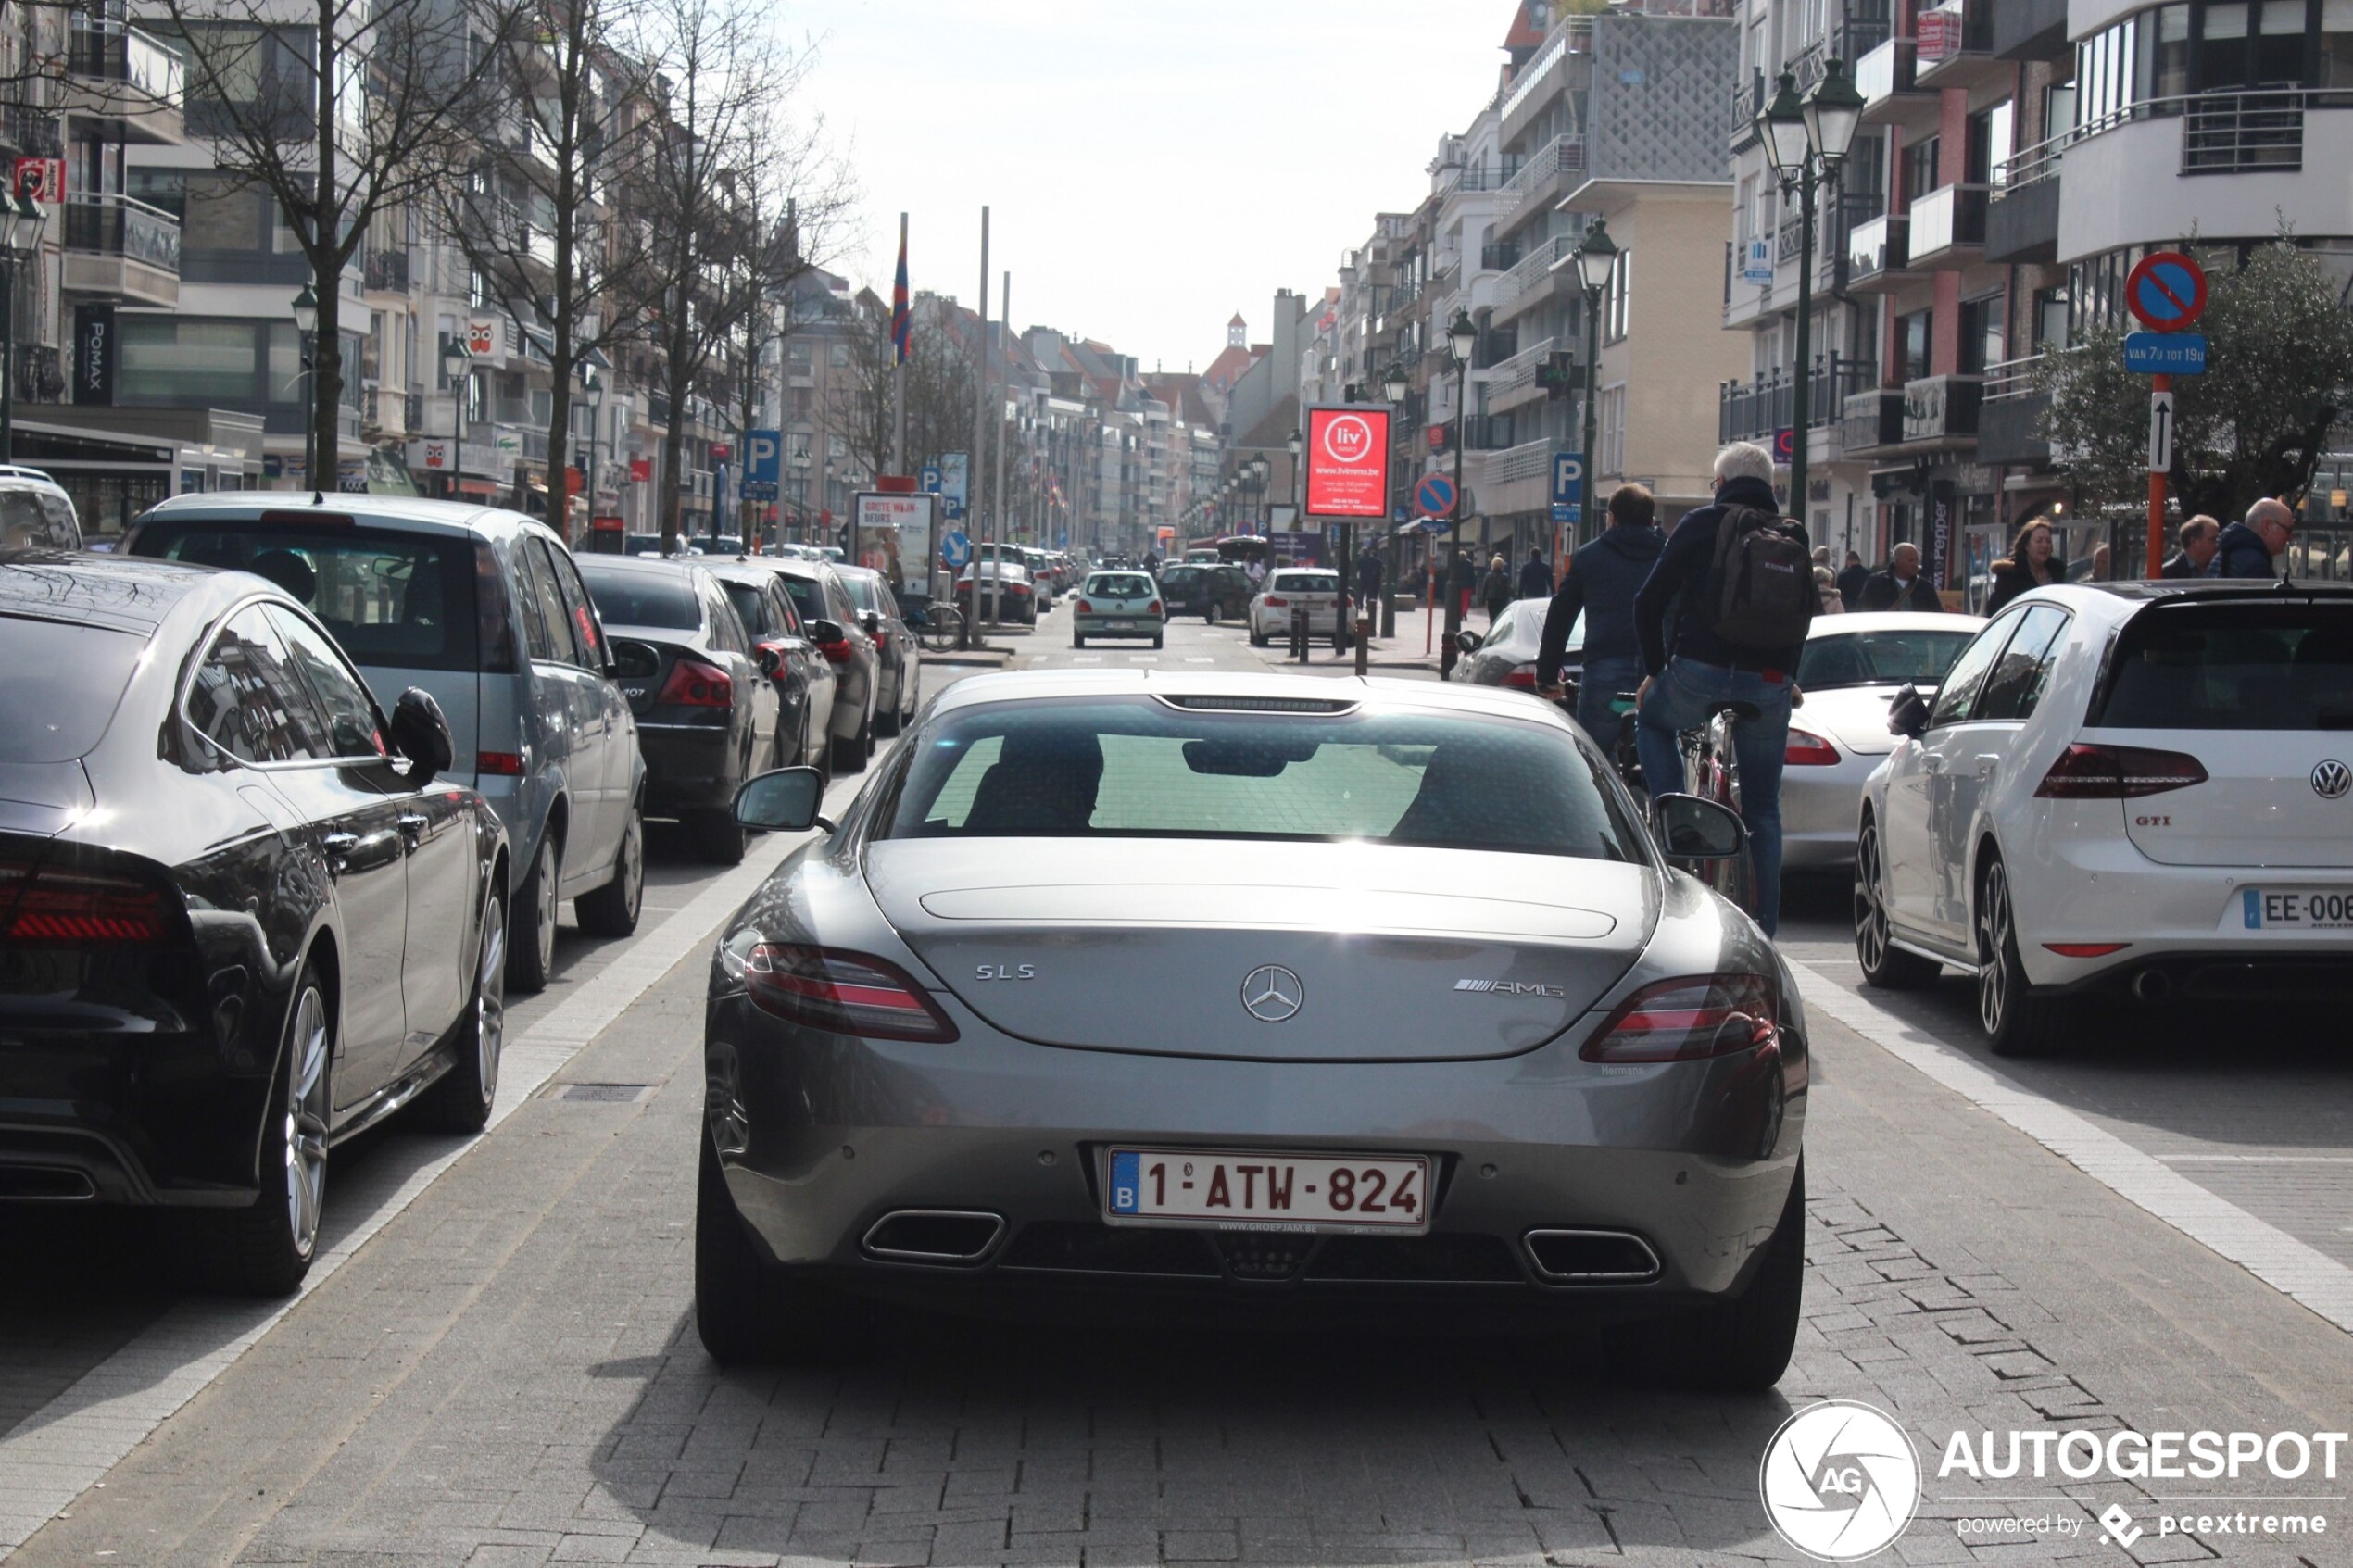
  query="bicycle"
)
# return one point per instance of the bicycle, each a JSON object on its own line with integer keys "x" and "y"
{"x": 940, "y": 627}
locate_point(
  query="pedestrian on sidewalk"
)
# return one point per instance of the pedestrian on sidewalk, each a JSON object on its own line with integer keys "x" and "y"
{"x": 1535, "y": 577}
{"x": 1602, "y": 580}
{"x": 1368, "y": 577}
{"x": 2245, "y": 548}
{"x": 1462, "y": 578}
{"x": 2033, "y": 563}
{"x": 1851, "y": 581}
{"x": 2198, "y": 539}
{"x": 1740, "y": 576}
{"x": 1901, "y": 586}
{"x": 1495, "y": 592}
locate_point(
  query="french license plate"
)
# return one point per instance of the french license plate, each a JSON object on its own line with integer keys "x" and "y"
{"x": 1254, "y": 1191}
{"x": 2296, "y": 908}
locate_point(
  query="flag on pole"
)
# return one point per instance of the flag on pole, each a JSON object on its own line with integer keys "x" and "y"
{"x": 901, "y": 322}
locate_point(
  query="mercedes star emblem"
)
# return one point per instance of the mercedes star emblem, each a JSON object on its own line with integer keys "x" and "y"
{"x": 2331, "y": 779}
{"x": 1271, "y": 994}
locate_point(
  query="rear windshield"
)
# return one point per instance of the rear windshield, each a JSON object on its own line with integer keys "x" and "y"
{"x": 393, "y": 599}
{"x": 2232, "y": 667}
{"x": 642, "y": 599}
{"x": 63, "y": 683}
{"x": 807, "y": 597}
{"x": 1180, "y": 576}
{"x": 1307, "y": 581}
{"x": 1121, "y": 585}
{"x": 1890, "y": 658}
{"x": 1136, "y": 767}
{"x": 862, "y": 593}
{"x": 751, "y": 606}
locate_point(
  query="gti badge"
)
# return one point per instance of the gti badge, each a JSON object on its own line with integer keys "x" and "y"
{"x": 1271, "y": 994}
{"x": 2331, "y": 779}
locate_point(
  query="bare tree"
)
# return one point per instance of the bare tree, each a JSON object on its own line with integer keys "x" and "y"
{"x": 940, "y": 373}
{"x": 402, "y": 87}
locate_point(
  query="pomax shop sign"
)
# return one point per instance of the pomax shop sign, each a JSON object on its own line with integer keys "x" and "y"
{"x": 1348, "y": 462}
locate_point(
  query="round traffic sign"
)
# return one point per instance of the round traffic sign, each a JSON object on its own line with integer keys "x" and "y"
{"x": 955, "y": 549}
{"x": 1435, "y": 496}
{"x": 2166, "y": 291}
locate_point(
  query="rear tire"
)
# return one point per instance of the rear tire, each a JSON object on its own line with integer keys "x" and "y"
{"x": 1077, "y": 641}
{"x": 718, "y": 839}
{"x": 1158, "y": 641}
{"x": 745, "y": 1309}
{"x": 1212, "y": 617}
{"x": 1885, "y": 966}
{"x": 460, "y": 1102}
{"x": 2017, "y": 1019}
{"x": 531, "y": 929}
{"x": 1743, "y": 1345}
{"x": 266, "y": 1248}
{"x": 612, "y": 909}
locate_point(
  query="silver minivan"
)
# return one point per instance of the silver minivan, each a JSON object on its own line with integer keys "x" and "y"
{"x": 485, "y": 609}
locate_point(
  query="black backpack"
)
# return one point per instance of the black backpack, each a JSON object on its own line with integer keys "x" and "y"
{"x": 1763, "y": 583}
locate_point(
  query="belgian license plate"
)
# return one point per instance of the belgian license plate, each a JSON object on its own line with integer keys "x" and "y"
{"x": 1118, "y": 626}
{"x": 2296, "y": 908}
{"x": 1255, "y": 1191}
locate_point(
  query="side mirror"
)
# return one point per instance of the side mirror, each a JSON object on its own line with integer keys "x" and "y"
{"x": 869, "y": 622}
{"x": 1907, "y": 713}
{"x": 786, "y": 801}
{"x": 824, "y": 631}
{"x": 1466, "y": 641}
{"x": 422, "y": 734}
{"x": 1689, "y": 827}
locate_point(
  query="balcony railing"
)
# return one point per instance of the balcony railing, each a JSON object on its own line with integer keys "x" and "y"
{"x": 1952, "y": 34}
{"x": 1529, "y": 460}
{"x": 1881, "y": 245}
{"x": 1511, "y": 375}
{"x": 112, "y": 52}
{"x": 1942, "y": 407}
{"x": 1951, "y": 217}
{"x": 116, "y": 225}
{"x": 1562, "y": 154}
{"x": 1760, "y": 408}
{"x": 388, "y": 270}
{"x": 2010, "y": 378}
{"x": 1883, "y": 73}
{"x": 40, "y": 375}
{"x": 34, "y": 131}
{"x": 2230, "y": 132}
{"x": 1532, "y": 268}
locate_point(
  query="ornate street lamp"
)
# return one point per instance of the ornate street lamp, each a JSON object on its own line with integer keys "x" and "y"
{"x": 306, "y": 321}
{"x": 1396, "y": 385}
{"x": 1596, "y": 259}
{"x": 456, "y": 369}
{"x": 21, "y": 222}
{"x": 1806, "y": 139}
{"x": 1462, "y": 341}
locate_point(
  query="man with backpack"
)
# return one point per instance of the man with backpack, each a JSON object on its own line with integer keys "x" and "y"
{"x": 1742, "y": 578}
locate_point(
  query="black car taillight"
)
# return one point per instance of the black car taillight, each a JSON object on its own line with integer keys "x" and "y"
{"x": 62, "y": 904}
{"x": 843, "y": 992}
{"x": 2117, "y": 772}
{"x": 1685, "y": 1020}
{"x": 693, "y": 683}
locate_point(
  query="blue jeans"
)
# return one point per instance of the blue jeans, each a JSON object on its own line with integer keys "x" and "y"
{"x": 1597, "y": 688}
{"x": 1681, "y": 698}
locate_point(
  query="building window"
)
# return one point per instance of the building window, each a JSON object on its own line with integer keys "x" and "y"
{"x": 2050, "y": 318}
{"x": 1984, "y": 323}
{"x": 1990, "y": 145}
{"x": 1615, "y": 311}
{"x": 1920, "y": 169}
{"x": 1613, "y": 428}
{"x": 1911, "y": 345}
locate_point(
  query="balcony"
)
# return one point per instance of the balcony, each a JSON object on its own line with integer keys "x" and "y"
{"x": 1871, "y": 422}
{"x": 1954, "y": 46}
{"x": 2021, "y": 219}
{"x": 1538, "y": 276}
{"x": 1748, "y": 102}
{"x": 124, "y": 84}
{"x": 1879, "y": 255}
{"x": 1948, "y": 228}
{"x": 1940, "y": 413}
{"x": 1885, "y": 78}
{"x": 387, "y": 271}
{"x": 2010, "y": 415}
{"x": 1538, "y": 181}
{"x": 41, "y": 373}
{"x": 2243, "y": 133}
{"x": 34, "y": 131}
{"x": 2029, "y": 29}
{"x": 1512, "y": 382}
{"x": 1760, "y": 409}
{"x": 121, "y": 249}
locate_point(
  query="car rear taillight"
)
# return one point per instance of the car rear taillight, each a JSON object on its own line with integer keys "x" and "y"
{"x": 61, "y": 905}
{"x": 837, "y": 651}
{"x": 1807, "y": 749}
{"x": 2086, "y": 949}
{"x": 843, "y": 992}
{"x": 1274, "y": 603}
{"x": 1684, "y": 1020}
{"x": 1018, "y": 590}
{"x": 693, "y": 683}
{"x": 1152, "y": 608}
{"x": 503, "y": 764}
{"x": 2117, "y": 772}
{"x": 1086, "y": 608}
{"x": 1520, "y": 677}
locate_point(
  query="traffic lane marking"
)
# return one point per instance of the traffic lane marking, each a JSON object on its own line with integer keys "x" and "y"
{"x": 56, "y": 1454}
{"x": 2297, "y": 1270}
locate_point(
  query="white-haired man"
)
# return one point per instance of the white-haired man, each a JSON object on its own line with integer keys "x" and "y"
{"x": 1710, "y": 667}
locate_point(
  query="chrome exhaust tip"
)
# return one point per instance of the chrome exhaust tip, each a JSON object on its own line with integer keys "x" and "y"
{"x": 1582, "y": 1256}
{"x": 933, "y": 1235}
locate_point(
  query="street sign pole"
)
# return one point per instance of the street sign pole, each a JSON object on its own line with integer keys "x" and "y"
{"x": 2160, "y": 463}
{"x": 2166, "y": 292}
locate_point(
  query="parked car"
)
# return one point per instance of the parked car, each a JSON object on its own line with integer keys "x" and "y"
{"x": 1207, "y": 589}
{"x": 831, "y": 619}
{"x": 1013, "y": 596}
{"x": 791, "y": 660}
{"x": 1851, "y": 669}
{"x": 1118, "y": 604}
{"x": 1505, "y": 655}
{"x": 641, "y": 544}
{"x": 485, "y": 609}
{"x": 2122, "y": 791}
{"x": 1314, "y": 589}
{"x": 706, "y": 712}
{"x": 246, "y": 914}
{"x": 35, "y": 512}
{"x": 899, "y": 665}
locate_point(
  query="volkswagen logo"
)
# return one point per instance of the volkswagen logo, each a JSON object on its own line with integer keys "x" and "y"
{"x": 2331, "y": 779}
{"x": 1271, "y": 994}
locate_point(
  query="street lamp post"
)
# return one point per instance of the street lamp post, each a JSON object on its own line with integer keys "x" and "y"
{"x": 1596, "y": 257}
{"x": 19, "y": 236}
{"x": 1462, "y": 341}
{"x": 456, "y": 369}
{"x": 1395, "y": 384}
{"x": 306, "y": 321}
{"x": 1806, "y": 139}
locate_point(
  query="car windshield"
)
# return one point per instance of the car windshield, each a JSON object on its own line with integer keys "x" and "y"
{"x": 642, "y": 599}
{"x": 1181, "y": 577}
{"x": 1120, "y": 585}
{"x": 2232, "y": 667}
{"x": 394, "y": 599}
{"x": 1140, "y": 767}
{"x": 807, "y": 597}
{"x": 1307, "y": 581}
{"x": 863, "y": 590}
{"x": 64, "y": 681}
{"x": 1880, "y": 658}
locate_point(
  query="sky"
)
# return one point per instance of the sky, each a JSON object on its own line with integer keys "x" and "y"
{"x": 1151, "y": 166}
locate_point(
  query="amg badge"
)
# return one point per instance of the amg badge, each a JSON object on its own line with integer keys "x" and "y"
{"x": 1510, "y": 987}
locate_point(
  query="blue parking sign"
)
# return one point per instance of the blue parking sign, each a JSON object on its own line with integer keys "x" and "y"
{"x": 1568, "y": 486}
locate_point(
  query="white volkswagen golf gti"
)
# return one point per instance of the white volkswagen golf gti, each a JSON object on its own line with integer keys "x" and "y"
{"x": 2128, "y": 789}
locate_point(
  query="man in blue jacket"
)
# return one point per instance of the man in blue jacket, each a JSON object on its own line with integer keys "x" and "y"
{"x": 1602, "y": 581}
{"x": 1680, "y": 693}
{"x": 2246, "y": 548}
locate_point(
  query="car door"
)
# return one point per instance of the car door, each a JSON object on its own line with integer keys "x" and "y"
{"x": 1977, "y": 748}
{"x": 1919, "y": 775}
{"x": 438, "y": 843}
{"x": 618, "y": 774}
{"x": 249, "y": 700}
{"x": 571, "y": 702}
{"x": 813, "y": 678}
{"x": 755, "y": 698}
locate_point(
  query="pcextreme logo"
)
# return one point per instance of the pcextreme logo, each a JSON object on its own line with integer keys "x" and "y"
{"x": 1840, "y": 1481}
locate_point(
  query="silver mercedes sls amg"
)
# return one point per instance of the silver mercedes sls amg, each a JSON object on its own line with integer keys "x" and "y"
{"x": 1262, "y": 998}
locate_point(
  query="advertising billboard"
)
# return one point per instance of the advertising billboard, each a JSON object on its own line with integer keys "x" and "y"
{"x": 895, "y": 535}
{"x": 1348, "y": 462}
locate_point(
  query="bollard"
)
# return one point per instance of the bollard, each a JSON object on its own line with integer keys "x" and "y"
{"x": 1299, "y": 635}
{"x": 1363, "y": 643}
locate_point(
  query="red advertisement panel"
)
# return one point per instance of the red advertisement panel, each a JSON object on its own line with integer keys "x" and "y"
{"x": 1348, "y": 462}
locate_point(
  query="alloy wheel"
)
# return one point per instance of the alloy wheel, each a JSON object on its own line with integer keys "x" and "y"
{"x": 1993, "y": 949}
{"x": 305, "y": 1139}
{"x": 1870, "y": 914}
{"x": 544, "y": 931}
{"x": 633, "y": 863}
{"x": 490, "y": 997}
